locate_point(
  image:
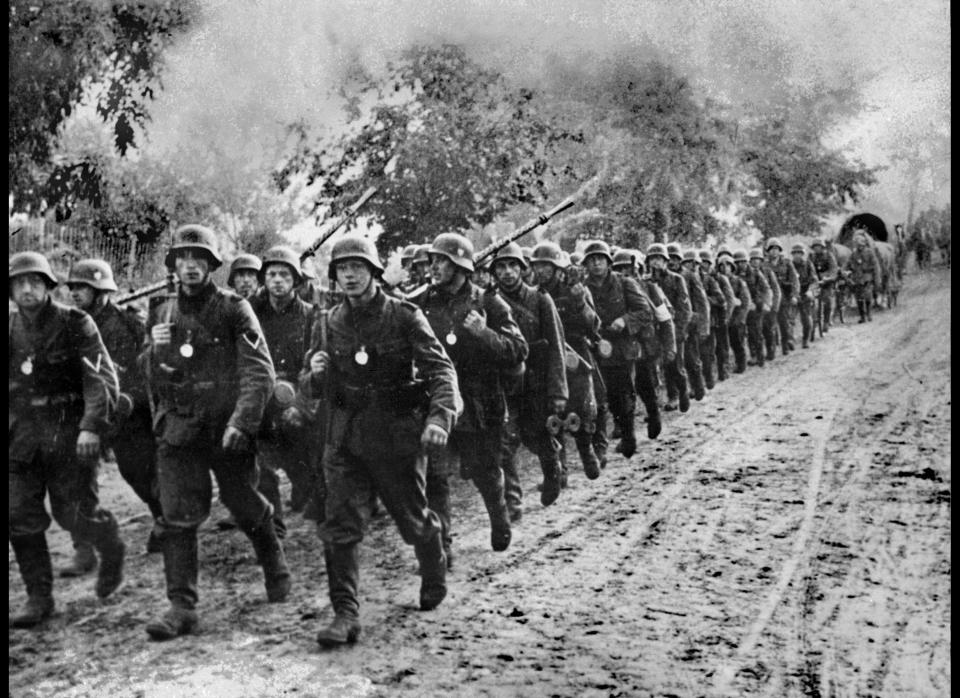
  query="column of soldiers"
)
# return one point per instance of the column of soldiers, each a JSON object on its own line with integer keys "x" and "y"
{"x": 373, "y": 391}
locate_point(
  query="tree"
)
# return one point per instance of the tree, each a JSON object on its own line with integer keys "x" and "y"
{"x": 60, "y": 51}
{"x": 448, "y": 142}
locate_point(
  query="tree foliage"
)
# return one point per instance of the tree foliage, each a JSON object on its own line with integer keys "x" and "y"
{"x": 60, "y": 51}
{"x": 448, "y": 142}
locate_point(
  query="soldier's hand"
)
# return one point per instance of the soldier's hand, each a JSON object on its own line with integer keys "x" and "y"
{"x": 618, "y": 324}
{"x": 88, "y": 445}
{"x": 558, "y": 405}
{"x": 235, "y": 440}
{"x": 433, "y": 437}
{"x": 475, "y": 323}
{"x": 737, "y": 303}
{"x": 793, "y": 300}
{"x": 162, "y": 333}
{"x": 319, "y": 363}
{"x": 293, "y": 418}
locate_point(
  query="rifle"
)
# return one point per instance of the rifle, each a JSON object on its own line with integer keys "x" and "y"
{"x": 168, "y": 284}
{"x": 351, "y": 212}
{"x": 542, "y": 219}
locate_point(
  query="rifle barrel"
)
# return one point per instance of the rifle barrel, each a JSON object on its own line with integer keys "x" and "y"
{"x": 351, "y": 212}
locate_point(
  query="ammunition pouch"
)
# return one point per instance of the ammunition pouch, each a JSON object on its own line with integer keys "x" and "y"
{"x": 397, "y": 399}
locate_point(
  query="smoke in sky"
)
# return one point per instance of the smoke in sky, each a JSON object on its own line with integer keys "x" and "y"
{"x": 252, "y": 66}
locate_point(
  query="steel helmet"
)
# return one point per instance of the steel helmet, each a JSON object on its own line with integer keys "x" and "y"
{"x": 657, "y": 249}
{"x": 597, "y": 247}
{"x": 690, "y": 256}
{"x": 408, "y": 253}
{"x": 422, "y": 254}
{"x": 774, "y": 242}
{"x": 575, "y": 258}
{"x": 624, "y": 257}
{"x": 740, "y": 255}
{"x": 510, "y": 251}
{"x": 195, "y": 237}
{"x": 95, "y": 273}
{"x": 818, "y": 242}
{"x": 354, "y": 246}
{"x": 799, "y": 248}
{"x": 281, "y": 254}
{"x": 32, "y": 263}
{"x": 706, "y": 256}
{"x": 527, "y": 253}
{"x": 673, "y": 250}
{"x": 756, "y": 253}
{"x": 306, "y": 270}
{"x": 549, "y": 252}
{"x": 455, "y": 247}
{"x": 639, "y": 257}
{"x": 724, "y": 249}
{"x": 244, "y": 262}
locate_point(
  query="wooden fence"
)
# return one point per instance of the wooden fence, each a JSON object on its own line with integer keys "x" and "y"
{"x": 133, "y": 263}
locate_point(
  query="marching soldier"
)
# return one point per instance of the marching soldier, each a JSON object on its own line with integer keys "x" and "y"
{"x": 720, "y": 340}
{"x": 244, "y": 277}
{"x": 286, "y": 441}
{"x": 675, "y": 289}
{"x": 743, "y": 303}
{"x": 528, "y": 277}
{"x": 581, "y": 330}
{"x": 62, "y": 387}
{"x": 91, "y": 283}
{"x": 717, "y": 312}
{"x": 412, "y": 278}
{"x": 790, "y": 287}
{"x": 662, "y": 350}
{"x": 699, "y": 324}
{"x": 768, "y": 323}
{"x": 761, "y": 297}
{"x": 483, "y": 341}
{"x": 626, "y": 316}
{"x": 211, "y": 374}
{"x": 808, "y": 283}
{"x": 825, "y": 262}
{"x": 863, "y": 266}
{"x": 392, "y": 394}
{"x": 543, "y": 388}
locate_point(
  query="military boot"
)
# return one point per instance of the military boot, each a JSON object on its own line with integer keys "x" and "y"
{"x": 270, "y": 555}
{"x": 684, "y": 401}
{"x": 551, "y": 480}
{"x": 433, "y": 572}
{"x": 500, "y": 533}
{"x": 343, "y": 578}
{"x": 180, "y": 566}
{"x": 112, "y": 551}
{"x": 84, "y": 560}
{"x": 33, "y": 558}
{"x": 628, "y": 444}
{"x": 588, "y": 456}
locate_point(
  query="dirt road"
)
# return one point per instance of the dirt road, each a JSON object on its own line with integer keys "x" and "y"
{"x": 789, "y": 536}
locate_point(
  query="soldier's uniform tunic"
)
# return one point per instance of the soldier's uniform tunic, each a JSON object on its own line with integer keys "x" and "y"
{"x": 675, "y": 289}
{"x": 863, "y": 265}
{"x": 762, "y": 297}
{"x": 698, "y": 330}
{"x": 770, "y": 319}
{"x": 721, "y": 322}
{"x": 736, "y": 327}
{"x": 807, "y": 275}
{"x": 717, "y": 324}
{"x": 790, "y": 286}
{"x": 825, "y": 262}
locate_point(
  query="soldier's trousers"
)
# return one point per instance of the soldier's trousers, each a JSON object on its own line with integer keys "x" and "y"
{"x": 675, "y": 372}
{"x": 646, "y": 384}
{"x": 183, "y": 474}
{"x": 722, "y": 347}
{"x": 805, "y": 310}
{"x": 755, "y": 336}
{"x": 770, "y": 325}
{"x": 74, "y": 497}
{"x": 864, "y": 296}
{"x": 621, "y": 400}
{"x": 526, "y": 425}
{"x": 827, "y": 296}
{"x": 708, "y": 355}
{"x": 736, "y": 333}
{"x": 692, "y": 362}
{"x": 351, "y": 482}
{"x": 785, "y": 323}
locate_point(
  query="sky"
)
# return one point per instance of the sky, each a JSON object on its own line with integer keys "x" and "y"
{"x": 251, "y": 66}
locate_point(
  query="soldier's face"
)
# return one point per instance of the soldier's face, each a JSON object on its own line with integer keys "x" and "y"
{"x": 279, "y": 280}
{"x": 544, "y": 271}
{"x": 442, "y": 270}
{"x": 29, "y": 291}
{"x": 82, "y": 295}
{"x": 245, "y": 282}
{"x": 798, "y": 257}
{"x": 354, "y": 277}
{"x": 773, "y": 253}
{"x": 507, "y": 272}
{"x": 423, "y": 271}
{"x": 688, "y": 266}
{"x": 192, "y": 269}
{"x": 597, "y": 265}
{"x": 705, "y": 267}
{"x": 755, "y": 262}
{"x": 657, "y": 263}
{"x": 817, "y": 249}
